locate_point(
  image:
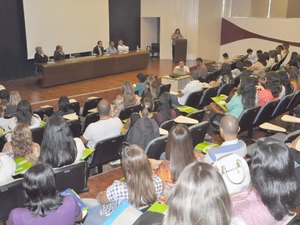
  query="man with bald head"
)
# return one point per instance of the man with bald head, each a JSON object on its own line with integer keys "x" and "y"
{"x": 105, "y": 128}
{"x": 229, "y": 128}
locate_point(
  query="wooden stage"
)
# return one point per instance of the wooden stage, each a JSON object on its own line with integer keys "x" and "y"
{"x": 105, "y": 87}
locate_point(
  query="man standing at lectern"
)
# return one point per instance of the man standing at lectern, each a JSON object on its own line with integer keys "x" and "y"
{"x": 99, "y": 50}
{"x": 176, "y": 35}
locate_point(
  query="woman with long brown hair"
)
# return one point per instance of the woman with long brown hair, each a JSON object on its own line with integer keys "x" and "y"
{"x": 179, "y": 153}
{"x": 126, "y": 99}
{"x": 140, "y": 187}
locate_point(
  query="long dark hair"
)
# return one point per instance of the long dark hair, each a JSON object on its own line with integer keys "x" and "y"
{"x": 285, "y": 81}
{"x": 179, "y": 150}
{"x": 273, "y": 83}
{"x": 24, "y": 112}
{"x": 40, "y": 191}
{"x": 165, "y": 106}
{"x": 58, "y": 147}
{"x": 273, "y": 176}
{"x": 248, "y": 91}
{"x": 293, "y": 72}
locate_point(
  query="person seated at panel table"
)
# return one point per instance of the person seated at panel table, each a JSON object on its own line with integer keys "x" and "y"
{"x": 39, "y": 56}
{"x": 122, "y": 48}
{"x": 181, "y": 69}
{"x": 111, "y": 48}
{"x": 59, "y": 53}
{"x": 99, "y": 50}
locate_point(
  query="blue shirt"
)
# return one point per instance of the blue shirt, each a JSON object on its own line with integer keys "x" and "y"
{"x": 228, "y": 147}
{"x": 140, "y": 87}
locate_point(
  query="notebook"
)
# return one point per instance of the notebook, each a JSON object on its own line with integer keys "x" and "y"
{"x": 221, "y": 101}
{"x": 76, "y": 197}
{"x": 205, "y": 146}
{"x": 22, "y": 165}
{"x": 186, "y": 109}
{"x": 86, "y": 153}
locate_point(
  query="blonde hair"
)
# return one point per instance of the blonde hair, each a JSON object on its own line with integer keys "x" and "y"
{"x": 21, "y": 140}
{"x": 128, "y": 94}
{"x": 138, "y": 176}
{"x": 14, "y": 98}
{"x": 200, "y": 197}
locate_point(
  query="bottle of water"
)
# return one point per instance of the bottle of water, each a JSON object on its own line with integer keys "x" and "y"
{"x": 137, "y": 48}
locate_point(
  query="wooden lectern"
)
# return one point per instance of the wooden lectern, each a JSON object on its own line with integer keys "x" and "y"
{"x": 180, "y": 50}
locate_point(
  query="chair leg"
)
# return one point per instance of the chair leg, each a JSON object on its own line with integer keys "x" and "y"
{"x": 100, "y": 169}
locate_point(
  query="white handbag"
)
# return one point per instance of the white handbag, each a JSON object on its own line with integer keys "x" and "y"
{"x": 235, "y": 172}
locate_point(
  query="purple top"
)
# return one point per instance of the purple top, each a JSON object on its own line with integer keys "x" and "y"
{"x": 64, "y": 215}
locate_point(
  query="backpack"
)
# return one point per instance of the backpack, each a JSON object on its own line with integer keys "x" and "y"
{"x": 142, "y": 132}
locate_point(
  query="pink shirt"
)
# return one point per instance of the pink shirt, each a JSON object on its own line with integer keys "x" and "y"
{"x": 265, "y": 96}
{"x": 249, "y": 206}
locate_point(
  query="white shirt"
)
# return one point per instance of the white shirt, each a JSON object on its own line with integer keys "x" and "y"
{"x": 123, "y": 49}
{"x": 184, "y": 70}
{"x": 252, "y": 58}
{"x": 7, "y": 169}
{"x": 192, "y": 86}
{"x": 101, "y": 130}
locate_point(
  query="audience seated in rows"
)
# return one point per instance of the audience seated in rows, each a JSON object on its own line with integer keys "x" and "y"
{"x": 7, "y": 168}
{"x": 64, "y": 106}
{"x": 179, "y": 153}
{"x": 193, "y": 86}
{"x": 200, "y": 197}
{"x": 274, "y": 185}
{"x": 11, "y": 106}
{"x": 140, "y": 86}
{"x": 140, "y": 186}
{"x": 58, "y": 147}
{"x": 21, "y": 144}
{"x": 142, "y": 128}
{"x": 165, "y": 111}
{"x": 151, "y": 87}
{"x": 43, "y": 204}
{"x": 106, "y": 127}
{"x": 126, "y": 99}
{"x": 244, "y": 98}
{"x": 229, "y": 129}
{"x": 225, "y": 76}
{"x": 269, "y": 91}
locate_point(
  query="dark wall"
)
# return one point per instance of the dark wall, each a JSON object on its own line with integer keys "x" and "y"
{"x": 13, "y": 52}
{"x": 124, "y": 22}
